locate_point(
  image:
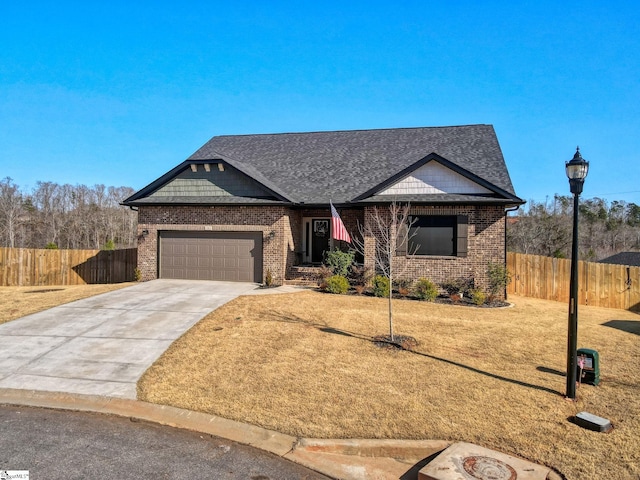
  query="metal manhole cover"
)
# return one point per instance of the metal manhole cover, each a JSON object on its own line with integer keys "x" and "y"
{"x": 487, "y": 468}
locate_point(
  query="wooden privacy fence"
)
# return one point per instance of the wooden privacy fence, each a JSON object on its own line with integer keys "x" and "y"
{"x": 599, "y": 284}
{"x": 36, "y": 267}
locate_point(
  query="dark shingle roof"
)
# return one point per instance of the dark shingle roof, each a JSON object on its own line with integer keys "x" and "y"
{"x": 319, "y": 166}
{"x": 347, "y": 166}
{"x": 623, "y": 258}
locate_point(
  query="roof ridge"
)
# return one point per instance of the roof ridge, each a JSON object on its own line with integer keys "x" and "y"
{"x": 355, "y": 130}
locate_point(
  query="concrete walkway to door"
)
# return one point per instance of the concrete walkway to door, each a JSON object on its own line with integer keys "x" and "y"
{"x": 102, "y": 345}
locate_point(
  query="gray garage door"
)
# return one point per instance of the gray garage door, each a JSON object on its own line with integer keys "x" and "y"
{"x": 227, "y": 256}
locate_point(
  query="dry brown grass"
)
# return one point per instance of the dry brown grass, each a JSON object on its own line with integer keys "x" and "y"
{"x": 16, "y": 302}
{"x": 304, "y": 364}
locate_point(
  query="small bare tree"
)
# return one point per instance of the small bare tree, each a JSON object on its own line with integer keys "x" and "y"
{"x": 12, "y": 214}
{"x": 391, "y": 230}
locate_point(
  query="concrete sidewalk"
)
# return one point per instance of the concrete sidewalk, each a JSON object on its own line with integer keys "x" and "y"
{"x": 102, "y": 345}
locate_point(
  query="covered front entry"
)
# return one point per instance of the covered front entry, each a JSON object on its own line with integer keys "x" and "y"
{"x": 225, "y": 256}
{"x": 317, "y": 239}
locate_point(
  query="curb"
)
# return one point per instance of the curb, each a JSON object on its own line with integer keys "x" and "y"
{"x": 270, "y": 441}
{"x": 340, "y": 459}
{"x": 353, "y": 459}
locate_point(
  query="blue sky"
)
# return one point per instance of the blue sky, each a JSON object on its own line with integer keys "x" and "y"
{"x": 118, "y": 93}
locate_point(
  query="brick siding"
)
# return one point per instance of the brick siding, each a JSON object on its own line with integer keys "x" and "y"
{"x": 276, "y": 246}
{"x": 486, "y": 243}
{"x": 281, "y": 229}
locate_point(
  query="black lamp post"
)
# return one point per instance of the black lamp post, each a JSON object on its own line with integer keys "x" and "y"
{"x": 576, "y": 170}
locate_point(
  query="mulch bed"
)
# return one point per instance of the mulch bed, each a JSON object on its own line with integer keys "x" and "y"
{"x": 468, "y": 303}
{"x": 442, "y": 299}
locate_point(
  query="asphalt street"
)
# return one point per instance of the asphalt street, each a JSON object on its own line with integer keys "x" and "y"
{"x": 68, "y": 445}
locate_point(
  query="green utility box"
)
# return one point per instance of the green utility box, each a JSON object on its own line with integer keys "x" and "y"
{"x": 590, "y": 372}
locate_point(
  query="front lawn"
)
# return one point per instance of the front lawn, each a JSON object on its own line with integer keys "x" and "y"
{"x": 305, "y": 364}
{"x": 16, "y": 302}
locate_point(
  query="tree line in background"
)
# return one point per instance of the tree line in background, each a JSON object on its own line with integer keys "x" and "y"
{"x": 80, "y": 217}
{"x": 65, "y": 216}
{"x": 605, "y": 228}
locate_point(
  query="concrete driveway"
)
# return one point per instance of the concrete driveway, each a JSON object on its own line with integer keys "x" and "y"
{"x": 102, "y": 345}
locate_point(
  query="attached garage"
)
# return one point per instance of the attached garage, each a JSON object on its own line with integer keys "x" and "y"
{"x": 225, "y": 256}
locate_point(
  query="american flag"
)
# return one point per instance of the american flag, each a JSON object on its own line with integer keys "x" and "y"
{"x": 338, "y": 231}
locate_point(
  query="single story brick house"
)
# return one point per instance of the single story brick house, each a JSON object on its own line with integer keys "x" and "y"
{"x": 246, "y": 206}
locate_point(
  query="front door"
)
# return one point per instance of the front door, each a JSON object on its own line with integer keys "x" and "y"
{"x": 321, "y": 235}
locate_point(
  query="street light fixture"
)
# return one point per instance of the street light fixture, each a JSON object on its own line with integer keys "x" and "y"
{"x": 577, "y": 170}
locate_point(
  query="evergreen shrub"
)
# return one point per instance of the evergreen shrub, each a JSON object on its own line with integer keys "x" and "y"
{"x": 337, "y": 284}
{"x": 381, "y": 286}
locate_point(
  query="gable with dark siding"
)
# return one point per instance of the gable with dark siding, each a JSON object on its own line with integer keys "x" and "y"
{"x": 213, "y": 183}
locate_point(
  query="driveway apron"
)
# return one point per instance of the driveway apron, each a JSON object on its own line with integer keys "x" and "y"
{"x": 102, "y": 345}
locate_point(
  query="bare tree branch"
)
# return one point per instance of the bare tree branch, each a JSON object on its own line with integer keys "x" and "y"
{"x": 390, "y": 231}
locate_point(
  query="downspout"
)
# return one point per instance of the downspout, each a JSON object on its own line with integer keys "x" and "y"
{"x": 506, "y": 211}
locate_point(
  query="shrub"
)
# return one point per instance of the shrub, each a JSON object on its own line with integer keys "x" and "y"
{"x": 51, "y": 246}
{"x": 324, "y": 272}
{"x": 137, "y": 274}
{"x": 451, "y": 287}
{"x": 499, "y": 278}
{"x": 467, "y": 285}
{"x": 381, "y": 286}
{"x": 403, "y": 286}
{"x": 339, "y": 262}
{"x": 268, "y": 278}
{"x": 461, "y": 286}
{"x": 478, "y": 297}
{"x": 109, "y": 245}
{"x": 425, "y": 289}
{"x": 337, "y": 284}
{"x": 360, "y": 275}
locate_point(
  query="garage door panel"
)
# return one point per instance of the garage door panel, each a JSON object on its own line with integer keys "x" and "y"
{"x": 176, "y": 262}
{"x": 230, "y": 263}
{"x": 203, "y": 262}
{"x": 178, "y": 273}
{"x": 231, "y": 250}
{"x": 218, "y": 263}
{"x": 226, "y": 256}
{"x": 191, "y": 262}
{"x": 178, "y": 249}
